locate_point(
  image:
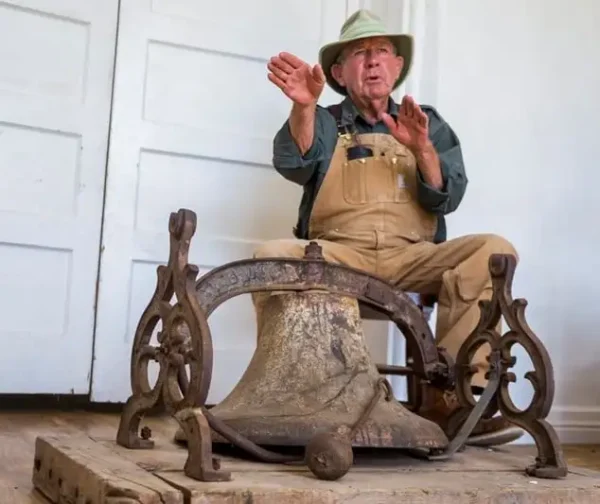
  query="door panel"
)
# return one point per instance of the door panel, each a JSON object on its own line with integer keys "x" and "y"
{"x": 55, "y": 91}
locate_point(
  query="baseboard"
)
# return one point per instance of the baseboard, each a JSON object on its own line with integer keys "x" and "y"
{"x": 55, "y": 402}
{"x": 576, "y": 424}
{"x": 65, "y": 403}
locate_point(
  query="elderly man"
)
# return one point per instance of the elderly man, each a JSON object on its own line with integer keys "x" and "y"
{"x": 378, "y": 179}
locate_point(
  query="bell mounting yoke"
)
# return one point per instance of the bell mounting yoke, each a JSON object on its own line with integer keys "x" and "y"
{"x": 185, "y": 340}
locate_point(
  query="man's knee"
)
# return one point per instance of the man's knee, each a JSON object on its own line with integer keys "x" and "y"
{"x": 280, "y": 248}
{"x": 496, "y": 244}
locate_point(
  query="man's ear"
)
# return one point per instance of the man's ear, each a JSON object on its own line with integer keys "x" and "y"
{"x": 336, "y": 72}
{"x": 399, "y": 65}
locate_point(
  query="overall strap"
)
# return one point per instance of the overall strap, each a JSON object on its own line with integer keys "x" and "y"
{"x": 343, "y": 130}
{"x": 336, "y": 111}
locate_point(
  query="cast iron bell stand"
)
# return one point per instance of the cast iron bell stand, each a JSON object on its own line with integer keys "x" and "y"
{"x": 185, "y": 339}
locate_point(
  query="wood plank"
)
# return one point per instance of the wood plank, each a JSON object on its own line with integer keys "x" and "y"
{"x": 389, "y": 487}
{"x": 20, "y": 429}
{"x": 168, "y": 456}
{"x": 476, "y": 475}
{"x": 110, "y": 474}
{"x": 77, "y": 469}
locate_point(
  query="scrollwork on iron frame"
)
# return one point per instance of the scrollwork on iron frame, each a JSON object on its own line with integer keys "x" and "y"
{"x": 550, "y": 462}
{"x": 185, "y": 339}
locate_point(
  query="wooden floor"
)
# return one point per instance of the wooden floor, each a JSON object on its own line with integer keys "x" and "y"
{"x": 17, "y": 437}
{"x": 19, "y": 430}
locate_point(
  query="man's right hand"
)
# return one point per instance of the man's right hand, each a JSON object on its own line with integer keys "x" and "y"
{"x": 300, "y": 83}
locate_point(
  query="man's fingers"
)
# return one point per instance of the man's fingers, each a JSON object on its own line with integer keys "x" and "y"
{"x": 419, "y": 115}
{"x": 388, "y": 120}
{"x": 277, "y": 81}
{"x": 410, "y": 107}
{"x": 292, "y": 60}
{"x": 278, "y": 72}
{"x": 410, "y": 102}
{"x": 403, "y": 110}
{"x": 318, "y": 74}
{"x": 281, "y": 64}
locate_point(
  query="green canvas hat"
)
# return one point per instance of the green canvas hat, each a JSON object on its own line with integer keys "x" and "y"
{"x": 364, "y": 24}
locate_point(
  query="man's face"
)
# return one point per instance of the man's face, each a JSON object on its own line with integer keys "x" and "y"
{"x": 368, "y": 68}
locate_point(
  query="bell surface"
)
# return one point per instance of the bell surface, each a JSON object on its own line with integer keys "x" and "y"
{"x": 312, "y": 372}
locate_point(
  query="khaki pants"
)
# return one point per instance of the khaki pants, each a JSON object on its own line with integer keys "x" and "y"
{"x": 457, "y": 271}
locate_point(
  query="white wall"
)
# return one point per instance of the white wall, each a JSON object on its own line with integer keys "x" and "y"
{"x": 520, "y": 83}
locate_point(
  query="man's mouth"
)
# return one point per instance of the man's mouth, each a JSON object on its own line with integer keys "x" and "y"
{"x": 371, "y": 79}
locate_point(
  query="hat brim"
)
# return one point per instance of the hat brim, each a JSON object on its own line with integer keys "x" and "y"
{"x": 329, "y": 54}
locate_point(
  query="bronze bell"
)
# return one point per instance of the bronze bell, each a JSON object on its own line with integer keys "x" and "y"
{"x": 312, "y": 373}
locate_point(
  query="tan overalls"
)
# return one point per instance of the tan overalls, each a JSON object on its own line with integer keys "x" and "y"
{"x": 366, "y": 216}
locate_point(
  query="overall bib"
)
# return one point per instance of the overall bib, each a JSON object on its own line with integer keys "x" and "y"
{"x": 366, "y": 216}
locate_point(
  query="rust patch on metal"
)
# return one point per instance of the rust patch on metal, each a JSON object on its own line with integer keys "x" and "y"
{"x": 337, "y": 352}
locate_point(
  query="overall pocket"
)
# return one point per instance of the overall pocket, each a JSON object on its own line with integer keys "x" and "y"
{"x": 354, "y": 181}
{"x": 403, "y": 171}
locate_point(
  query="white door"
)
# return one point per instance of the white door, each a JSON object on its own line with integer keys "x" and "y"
{"x": 56, "y": 63}
{"x": 193, "y": 124}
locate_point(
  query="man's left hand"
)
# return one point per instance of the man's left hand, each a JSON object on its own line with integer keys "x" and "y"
{"x": 411, "y": 128}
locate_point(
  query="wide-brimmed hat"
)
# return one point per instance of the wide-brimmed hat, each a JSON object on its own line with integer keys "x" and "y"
{"x": 364, "y": 24}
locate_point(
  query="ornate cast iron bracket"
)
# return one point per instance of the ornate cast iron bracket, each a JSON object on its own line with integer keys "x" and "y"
{"x": 185, "y": 340}
{"x": 550, "y": 462}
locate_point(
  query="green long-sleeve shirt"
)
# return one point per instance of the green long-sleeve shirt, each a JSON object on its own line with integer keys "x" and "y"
{"x": 310, "y": 170}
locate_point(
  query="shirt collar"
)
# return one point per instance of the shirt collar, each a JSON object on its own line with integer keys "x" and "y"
{"x": 350, "y": 113}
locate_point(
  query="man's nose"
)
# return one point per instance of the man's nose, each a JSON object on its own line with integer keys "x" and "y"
{"x": 372, "y": 59}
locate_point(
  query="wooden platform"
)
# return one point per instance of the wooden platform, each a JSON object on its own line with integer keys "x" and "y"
{"x": 94, "y": 470}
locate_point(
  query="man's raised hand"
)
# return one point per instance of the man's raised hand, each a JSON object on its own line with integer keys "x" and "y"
{"x": 411, "y": 128}
{"x": 300, "y": 82}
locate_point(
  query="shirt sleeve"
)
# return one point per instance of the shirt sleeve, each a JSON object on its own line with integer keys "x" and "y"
{"x": 288, "y": 160}
{"x": 447, "y": 145}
